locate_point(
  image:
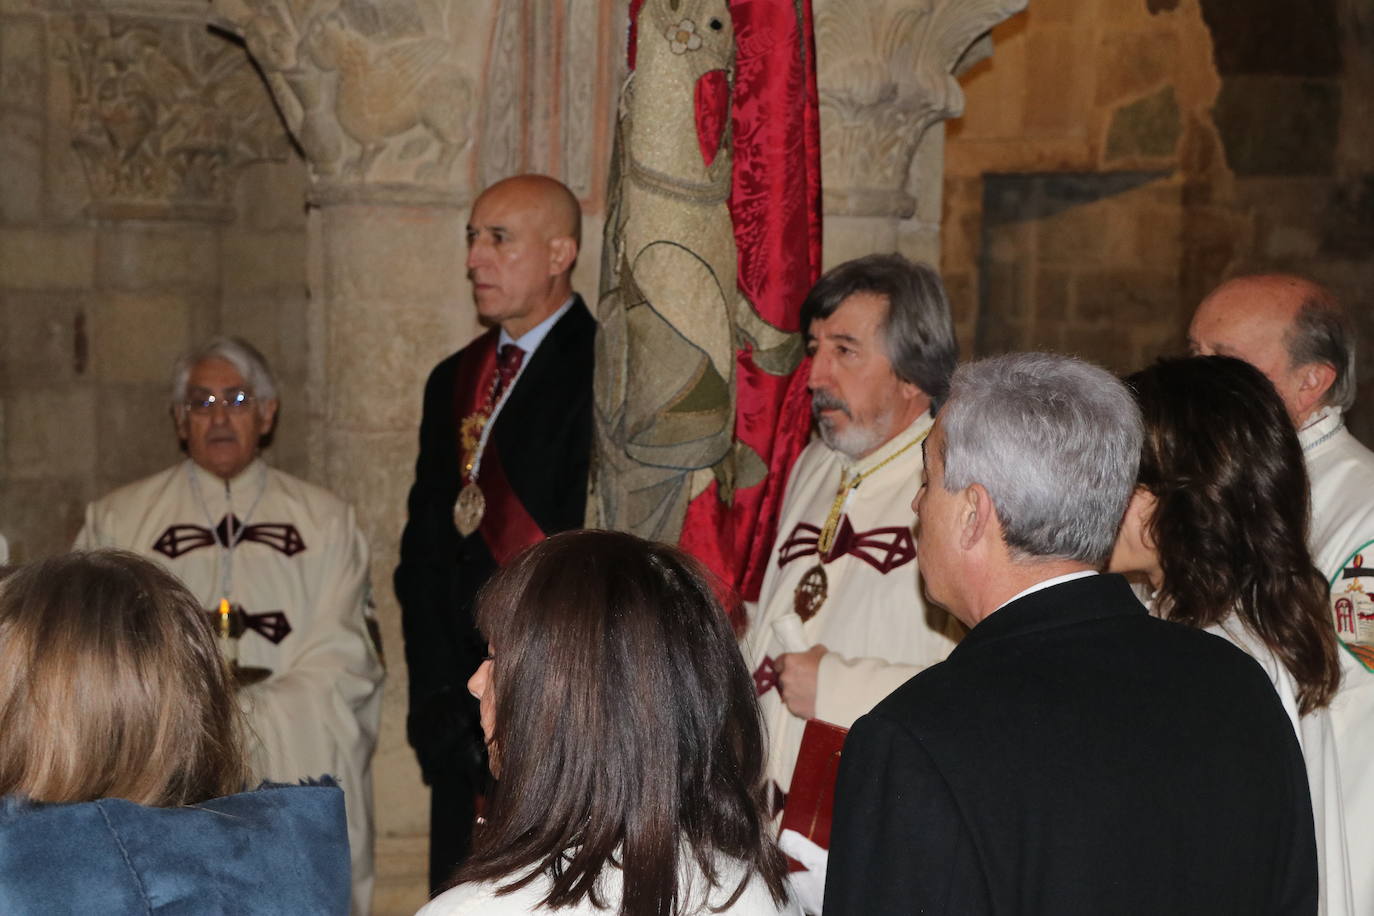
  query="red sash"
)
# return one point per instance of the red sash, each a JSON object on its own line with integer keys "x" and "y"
{"x": 810, "y": 800}
{"x": 507, "y": 526}
{"x": 472, "y": 381}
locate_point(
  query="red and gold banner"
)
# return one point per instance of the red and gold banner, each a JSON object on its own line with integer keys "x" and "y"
{"x": 775, "y": 204}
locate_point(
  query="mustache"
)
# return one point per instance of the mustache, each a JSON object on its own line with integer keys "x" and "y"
{"x": 824, "y": 400}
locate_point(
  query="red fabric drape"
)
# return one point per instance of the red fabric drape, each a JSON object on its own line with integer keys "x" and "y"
{"x": 775, "y": 203}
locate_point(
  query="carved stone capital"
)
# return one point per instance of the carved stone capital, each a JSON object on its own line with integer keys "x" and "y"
{"x": 885, "y": 74}
{"x": 374, "y": 91}
{"x": 163, "y": 112}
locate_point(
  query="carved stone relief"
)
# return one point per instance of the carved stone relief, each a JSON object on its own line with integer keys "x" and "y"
{"x": 884, "y": 69}
{"x": 375, "y": 92}
{"x": 163, "y": 112}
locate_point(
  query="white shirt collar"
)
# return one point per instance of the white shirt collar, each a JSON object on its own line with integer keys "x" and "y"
{"x": 1041, "y": 586}
{"x": 531, "y": 339}
{"x": 1323, "y": 424}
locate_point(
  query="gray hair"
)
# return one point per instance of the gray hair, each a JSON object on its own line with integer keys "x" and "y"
{"x": 1055, "y": 441}
{"x": 235, "y": 351}
{"x": 918, "y": 333}
{"x": 1321, "y": 333}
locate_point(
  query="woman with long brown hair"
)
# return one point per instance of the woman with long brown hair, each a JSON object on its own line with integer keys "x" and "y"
{"x": 626, "y": 742}
{"x": 122, "y": 765}
{"x": 1218, "y": 528}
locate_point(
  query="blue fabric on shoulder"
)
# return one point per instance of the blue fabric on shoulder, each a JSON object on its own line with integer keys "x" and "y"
{"x": 279, "y": 849}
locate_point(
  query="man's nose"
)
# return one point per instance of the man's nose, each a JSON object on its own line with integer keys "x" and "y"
{"x": 819, "y": 374}
{"x": 478, "y": 253}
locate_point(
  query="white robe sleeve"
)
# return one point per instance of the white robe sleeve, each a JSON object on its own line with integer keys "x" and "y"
{"x": 847, "y": 688}
{"x": 320, "y": 713}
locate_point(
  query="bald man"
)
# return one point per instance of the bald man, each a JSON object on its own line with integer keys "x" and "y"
{"x": 1294, "y": 331}
{"x": 505, "y": 443}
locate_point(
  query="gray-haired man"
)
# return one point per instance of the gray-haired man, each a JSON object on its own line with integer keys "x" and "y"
{"x": 840, "y": 621}
{"x": 1073, "y": 755}
{"x": 288, "y": 556}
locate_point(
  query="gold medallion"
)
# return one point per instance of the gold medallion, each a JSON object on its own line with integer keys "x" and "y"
{"x": 810, "y": 593}
{"x": 468, "y": 510}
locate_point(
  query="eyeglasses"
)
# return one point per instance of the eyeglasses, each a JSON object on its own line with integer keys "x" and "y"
{"x": 234, "y": 400}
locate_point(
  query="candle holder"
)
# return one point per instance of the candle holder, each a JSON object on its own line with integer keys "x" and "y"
{"x": 228, "y": 623}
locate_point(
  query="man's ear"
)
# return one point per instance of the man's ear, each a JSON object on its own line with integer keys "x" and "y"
{"x": 181, "y": 422}
{"x": 913, "y": 392}
{"x": 562, "y": 254}
{"x": 1314, "y": 381}
{"x": 267, "y": 416}
{"x": 975, "y": 511}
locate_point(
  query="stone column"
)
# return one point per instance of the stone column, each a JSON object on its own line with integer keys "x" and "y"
{"x": 885, "y": 70}
{"x": 379, "y": 95}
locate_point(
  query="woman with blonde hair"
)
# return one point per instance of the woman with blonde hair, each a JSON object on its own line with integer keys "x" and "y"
{"x": 626, "y": 742}
{"x": 121, "y": 753}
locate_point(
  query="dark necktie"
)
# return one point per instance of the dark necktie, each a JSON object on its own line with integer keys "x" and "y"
{"x": 508, "y": 360}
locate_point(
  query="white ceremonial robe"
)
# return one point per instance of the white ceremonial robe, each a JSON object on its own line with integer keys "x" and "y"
{"x": 876, "y": 625}
{"x": 1341, "y": 471}
{"x": 1316, "y": 736}
{"x": 319, "y": 710}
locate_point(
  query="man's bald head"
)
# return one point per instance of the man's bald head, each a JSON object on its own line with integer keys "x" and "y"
{"x": 1291, "y": 329}
{"x": 548, "y": 196}
{"x": 523, "y": 238}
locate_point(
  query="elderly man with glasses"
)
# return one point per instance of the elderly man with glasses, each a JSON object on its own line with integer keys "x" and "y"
{"x": 282, "y": 571}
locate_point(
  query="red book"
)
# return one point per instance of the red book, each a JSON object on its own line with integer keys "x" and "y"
{"x": 810, "y": 805}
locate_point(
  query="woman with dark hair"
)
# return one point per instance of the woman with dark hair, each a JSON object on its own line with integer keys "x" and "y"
{"x": 120, "y": 738}
{"x": 625, "y": 739}
{"x": 1218, "y": 527}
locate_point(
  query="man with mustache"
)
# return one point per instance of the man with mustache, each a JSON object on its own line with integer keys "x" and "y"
{"x": 505, "y": 444}
{"x": 840, "y": 620}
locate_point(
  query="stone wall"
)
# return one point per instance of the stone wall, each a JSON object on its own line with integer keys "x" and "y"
{"x": 263, "y": 295}
{"x": 1121, "y": 157}
{"x": 111, "y": 262}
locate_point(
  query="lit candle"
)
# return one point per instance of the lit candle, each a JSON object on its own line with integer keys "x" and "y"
{"x": 229, "y": 646}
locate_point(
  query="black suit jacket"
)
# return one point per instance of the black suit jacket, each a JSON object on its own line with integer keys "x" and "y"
{"x": 544, "y": 437}
{"x": 1076, "y": 756}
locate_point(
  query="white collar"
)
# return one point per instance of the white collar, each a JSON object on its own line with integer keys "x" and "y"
{"x": 1041, "y": 586}
{"x": 1324, "y": 424}
{"x": 209, "y": 479}
{"x": 531, "y": 339}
